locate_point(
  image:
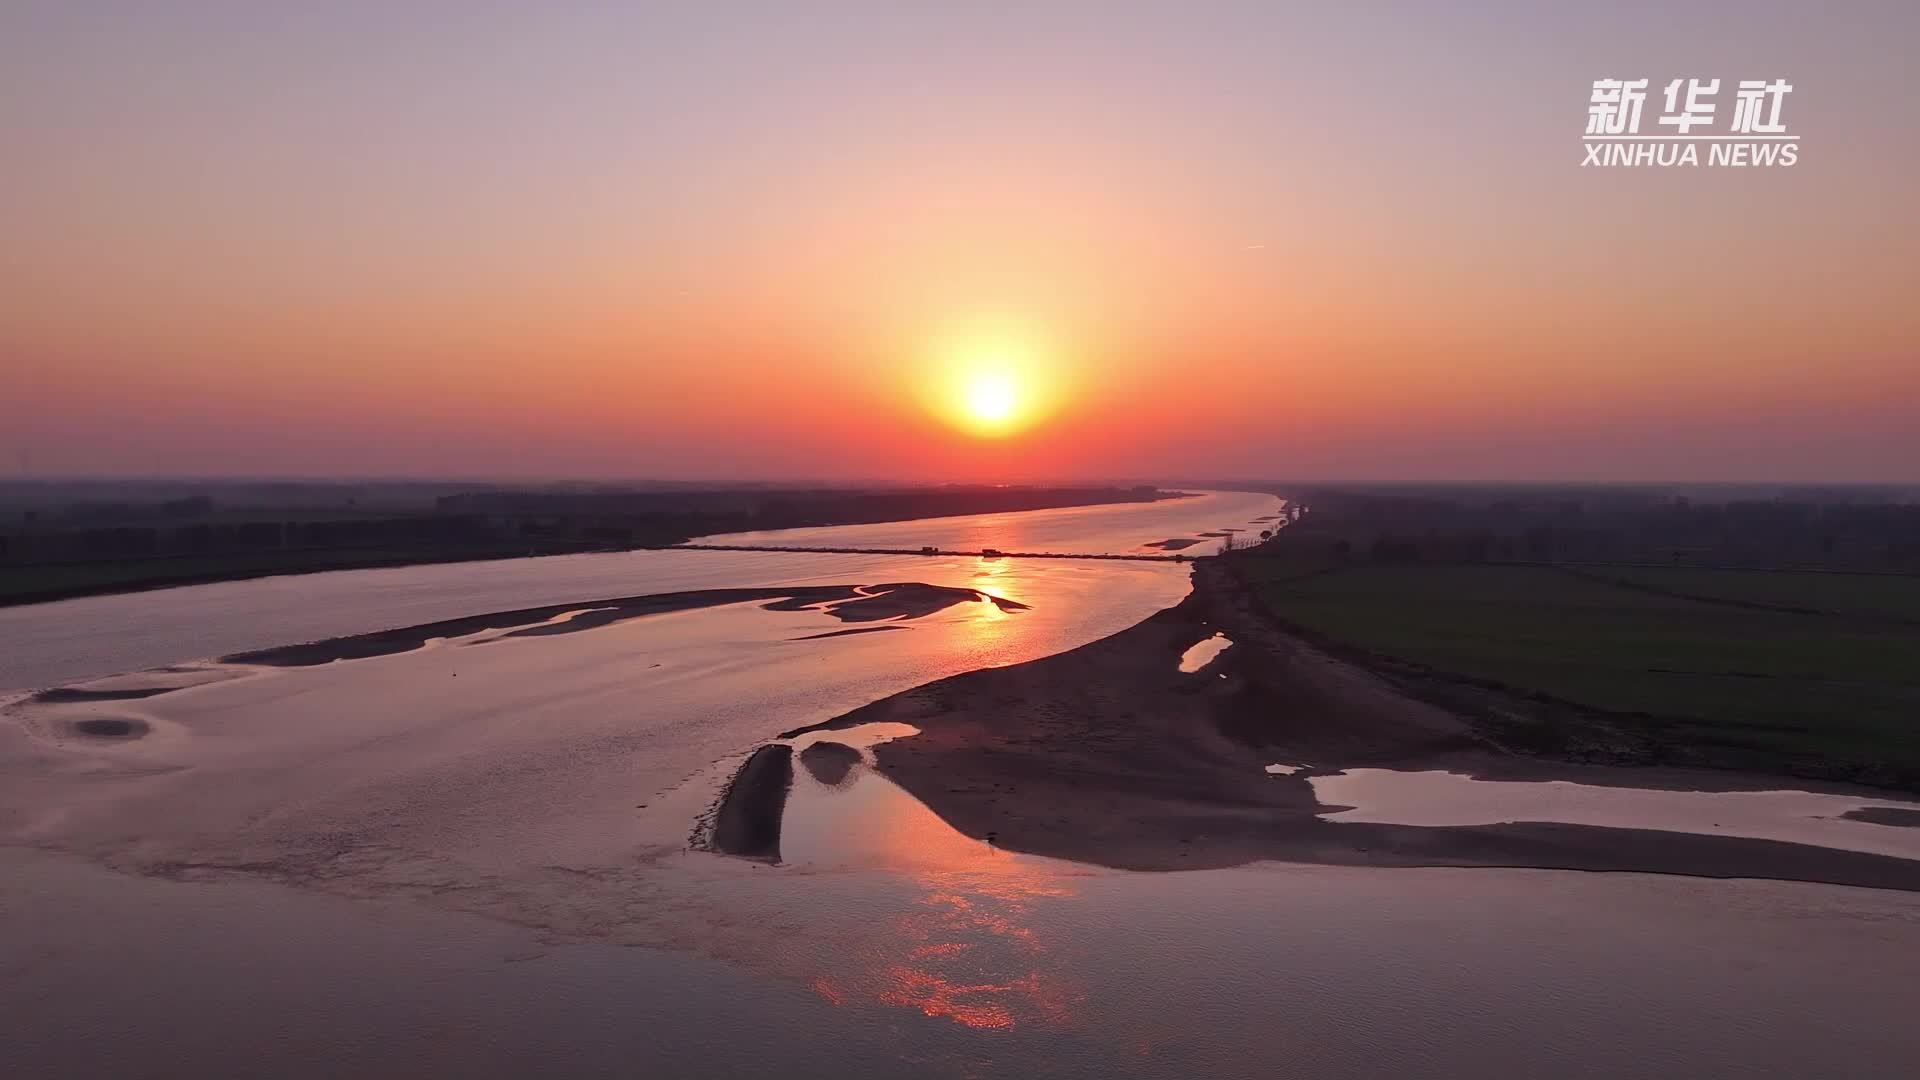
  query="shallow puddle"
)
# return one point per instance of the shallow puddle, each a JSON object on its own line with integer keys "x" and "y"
{"x": 861, "y": 818}
{"x": 1441, "y": 798}
{"x": 1202, "y": 653}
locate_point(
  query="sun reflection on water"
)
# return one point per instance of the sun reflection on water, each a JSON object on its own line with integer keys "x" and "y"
{"x": 997, "y": 577}
{"x": 964, "y": 951}
{"x": 975, "y": 960}
{"x": 964, "y": 947}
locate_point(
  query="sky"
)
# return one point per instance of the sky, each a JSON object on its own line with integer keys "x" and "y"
{"x": 790, "y": 241}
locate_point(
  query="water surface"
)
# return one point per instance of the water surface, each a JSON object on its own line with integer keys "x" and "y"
{"x": 1442, "y": 798}
{"x": 49, "y": 644}
{"x": 471, "y": 859}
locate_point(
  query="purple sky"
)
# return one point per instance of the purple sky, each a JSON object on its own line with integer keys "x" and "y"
{"x": 712, "y": 241}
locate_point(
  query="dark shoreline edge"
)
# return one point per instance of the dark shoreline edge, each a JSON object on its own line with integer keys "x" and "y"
{"x": 1886, "y": 815}
{"x": 871, "y": 608}
{"x": 1108, "y": 755}
{"x": 847, "y": 603}
{"x": 1531, "y": 723}
{"x": 747, "y": 825}
{"x": 141, "y": 585}
{"x": 490, "y": 554}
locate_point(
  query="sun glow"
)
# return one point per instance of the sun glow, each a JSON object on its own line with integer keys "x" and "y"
{"x": 992, "y": 385}
{"x": 992, "y": 398}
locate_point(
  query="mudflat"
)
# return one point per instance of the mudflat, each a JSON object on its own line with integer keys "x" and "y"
{"x": 1108, "y": 754}
{"x": 848, "y": 603}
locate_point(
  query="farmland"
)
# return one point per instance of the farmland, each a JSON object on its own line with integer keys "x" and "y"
{"x": 1792, "y": 670}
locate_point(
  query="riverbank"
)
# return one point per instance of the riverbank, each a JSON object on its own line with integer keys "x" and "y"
{"x": 44, "y": 584}
{"x": 902, "y": 600}
{"x": 1110, "y": 754}
{"x": 1565, "y": 662}
{"x": 64, "y": 564}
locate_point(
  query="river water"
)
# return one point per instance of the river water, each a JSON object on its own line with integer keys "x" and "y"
{"x": 472, "y": 860}
{"x": 50, "y": 644}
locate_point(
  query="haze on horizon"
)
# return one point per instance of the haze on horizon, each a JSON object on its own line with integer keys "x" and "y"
{"x": 1215, "y": 240}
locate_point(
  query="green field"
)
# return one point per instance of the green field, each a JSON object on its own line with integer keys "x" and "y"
{"x": 1895, "y": 596}
{"x": 1791, "y": 689}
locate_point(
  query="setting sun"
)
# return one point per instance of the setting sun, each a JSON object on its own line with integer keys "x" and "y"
{"x": 992, "y": 398}
{"x": 994, "y": 380}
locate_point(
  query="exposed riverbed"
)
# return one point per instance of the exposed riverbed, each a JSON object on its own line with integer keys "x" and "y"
{"x": 474, "y": 851}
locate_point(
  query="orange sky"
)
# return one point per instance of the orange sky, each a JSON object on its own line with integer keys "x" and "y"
{"x": 1242, "y": 241}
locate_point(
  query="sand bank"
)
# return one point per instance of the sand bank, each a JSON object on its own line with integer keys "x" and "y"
{"x": 848, "y": 603}
{"x": 830, "y": 762}
{"x": 748, "y": 820}
{"x": 1886, "y": 815}
{"x": 1110, "y": 755}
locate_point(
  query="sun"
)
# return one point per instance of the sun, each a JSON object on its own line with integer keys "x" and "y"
{"x": 992, "y": 398}
{"x": 991, "y": 382}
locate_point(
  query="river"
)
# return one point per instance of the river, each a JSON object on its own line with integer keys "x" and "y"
{"x": 472, "y": 859}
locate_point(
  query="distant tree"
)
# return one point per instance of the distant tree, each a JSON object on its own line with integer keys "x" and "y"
{"x": 1389, "y": 548}
{"x": 191, "y": 506}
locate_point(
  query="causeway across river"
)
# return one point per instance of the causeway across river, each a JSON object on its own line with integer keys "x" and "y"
{"x": 986, "y": 553}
